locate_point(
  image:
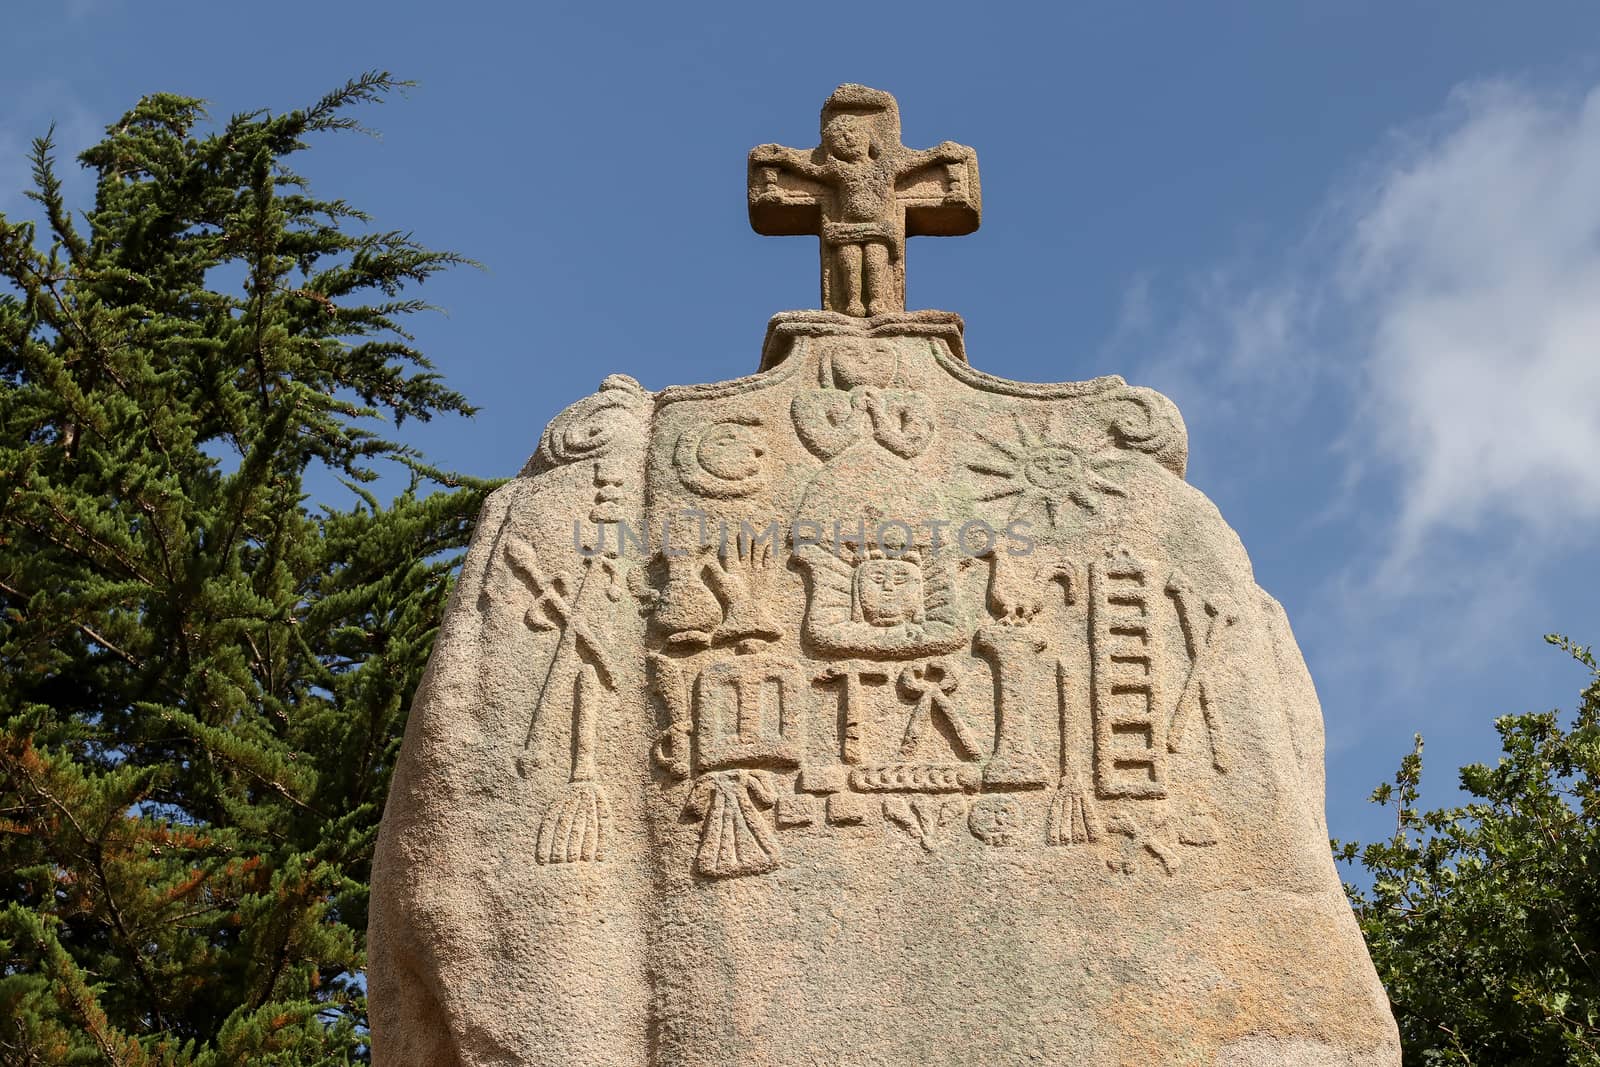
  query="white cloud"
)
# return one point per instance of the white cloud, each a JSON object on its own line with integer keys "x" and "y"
{"x": 1418, "y": 370}
{"x": 1449, "y": 296}
{"x": 1225, "y": 332}
{"x": 1476, "y": 257}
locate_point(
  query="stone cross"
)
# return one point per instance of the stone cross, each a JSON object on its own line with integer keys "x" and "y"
{"x": 863, "y": 193}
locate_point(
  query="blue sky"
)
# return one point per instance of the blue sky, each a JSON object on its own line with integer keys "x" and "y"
{"x": 1358, "y": 243}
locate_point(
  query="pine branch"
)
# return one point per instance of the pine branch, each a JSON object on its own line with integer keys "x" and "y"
{"x": 95, "y": 856}
{"x": 84, "y": 628}
{"x": 199, "y": 645}
{"x": 369, "y": 88}
{"x": 47, "y": 191}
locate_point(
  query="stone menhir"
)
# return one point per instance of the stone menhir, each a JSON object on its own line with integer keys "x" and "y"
{"x": 868, "y": 710}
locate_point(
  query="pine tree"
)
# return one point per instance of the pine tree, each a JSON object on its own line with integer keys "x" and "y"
{"x": 205, "y": 674}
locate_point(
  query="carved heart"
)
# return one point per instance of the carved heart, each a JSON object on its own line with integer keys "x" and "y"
{"x": 902, "y": 421}
{"x": 826, "y": 420}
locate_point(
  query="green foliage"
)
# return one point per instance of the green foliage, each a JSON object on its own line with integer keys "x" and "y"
{"x": 204, "y": 677}
{"x": 1484, "y": 919}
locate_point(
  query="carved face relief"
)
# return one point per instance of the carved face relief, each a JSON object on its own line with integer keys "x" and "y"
{"x": 890, "y": 606}
{"x": 888, "y": 591}
{"x": 1054, "y": 469}
{"x": 847, "y": 138}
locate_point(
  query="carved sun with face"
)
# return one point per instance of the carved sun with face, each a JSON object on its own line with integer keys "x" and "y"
{"x": 1042, "y": 472}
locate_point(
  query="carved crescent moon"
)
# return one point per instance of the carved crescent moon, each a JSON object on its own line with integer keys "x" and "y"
{"x": 722, "y": 460}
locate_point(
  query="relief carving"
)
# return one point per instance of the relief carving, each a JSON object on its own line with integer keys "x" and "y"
{"x": 1204, "y": 627}
{"x": 1014, "y": 652}
{"x": 902, "y": 421}
{"x": 883, "y": 612}
{"x": 671, "y": 749}
{"x": 1147, "y": 834}
{"x": 915, "y": 778}
{"x": 1145, "y": 421}
{"x": 922, "y": 817}
{"x": 930, "y": 687}
{"x": 864, "y": 706}
{"x": 794, "y": 810}
{"x": 1199, "y": 828}
{"x": 1020, "y": 586}
{"x": 995, "y": 819}
{"x": 896, "y": 604}
{"x": 587, "y": 430}
{"x": 1012, "y": 644}
{"x": 1130, "y": 746}
{"x": 748, "y": 713}
{"x": 723, "y": 460}
{"x": 555, "y": 607}
{"x": 576, "y": 823}
{"x": 736, "y": 575}
{"x": 1041, "y": 473}
{"x": 710, "y": 596}
{"x": 857, "y": 402}
{"x": 1073, "y": 818}
{"x": 863, "y": 192}
{"x": 574, "y": 827}
{"x": 846, "y": 809}
{"x": 826, "y": 421}
{"x": 735, "y": 838}
{"x": 685, "y": 609}
{"x": 878, "y": 581}
{"x": 852, "y": 677}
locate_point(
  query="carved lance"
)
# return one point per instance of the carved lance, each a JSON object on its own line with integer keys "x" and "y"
{"x": 552, "y": 609}
{"x": 575, "y": 826}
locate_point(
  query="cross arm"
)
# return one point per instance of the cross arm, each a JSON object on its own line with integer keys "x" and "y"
{"x": 943, "y": 152}
{"x": 939, "y": 188}
{"x": 787, "y": 191}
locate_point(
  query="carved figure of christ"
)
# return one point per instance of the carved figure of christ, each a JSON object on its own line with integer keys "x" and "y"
{"x": 863, "y": 193}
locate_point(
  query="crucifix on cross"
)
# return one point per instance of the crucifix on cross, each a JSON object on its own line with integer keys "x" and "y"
{"x": 863, "y": 193}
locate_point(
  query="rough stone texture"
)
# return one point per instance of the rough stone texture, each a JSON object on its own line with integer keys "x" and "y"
{"x": 863, "y": 193}
{"x": 890, "y": 795}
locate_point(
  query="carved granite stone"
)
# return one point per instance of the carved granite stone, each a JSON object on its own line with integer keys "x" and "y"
{"x": 863, "y": 193}
{"x": 868, "y": 710}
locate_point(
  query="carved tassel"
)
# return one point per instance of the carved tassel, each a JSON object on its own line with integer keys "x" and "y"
{"x": 575, "y": 826}
{"x": 734, "y": 838}
{"x": 1072, "y": 818}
